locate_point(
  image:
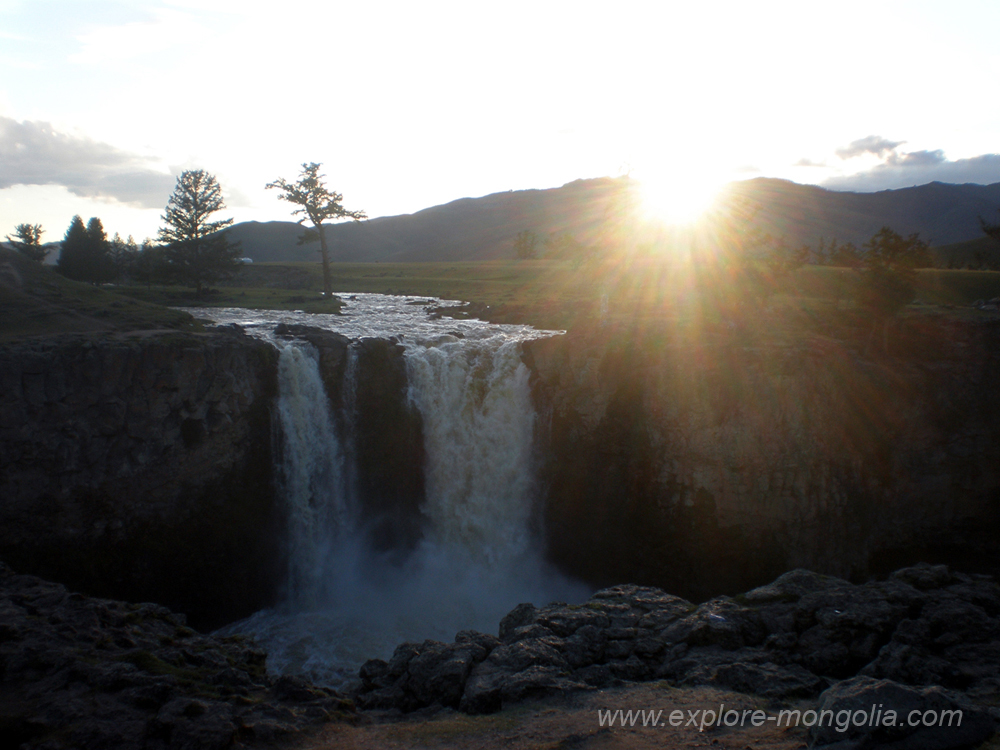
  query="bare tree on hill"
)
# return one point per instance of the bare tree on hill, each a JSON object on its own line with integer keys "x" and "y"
{"x": 316, "y": 204}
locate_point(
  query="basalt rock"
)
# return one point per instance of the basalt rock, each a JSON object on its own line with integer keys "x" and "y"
{"x": 707, "y": 460}
{"x": 790, "y": 639}
{"x": 922, "y": 719}
{"x": 139, "y": 466}
{"x": 388, "y": 445}
{"x": 78, "y": 672}
{"x": 425, "y": 674}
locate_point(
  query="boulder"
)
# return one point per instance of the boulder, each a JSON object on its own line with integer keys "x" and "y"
{"x": 425, "y": 674}
{"x": 77, "y": 671}
{"x": 749, "y": 670}
{"x": 864, "y": 713}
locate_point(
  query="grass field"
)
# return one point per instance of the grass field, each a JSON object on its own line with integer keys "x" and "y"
{"x": 35, "y": 300}
{"x": 545, "y": 293}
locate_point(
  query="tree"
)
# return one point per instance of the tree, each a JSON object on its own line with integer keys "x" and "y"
{"x": 743, "y": 265}
{"x": 27, "y": 240}
{"x": 524, "y": 245}
{"x": 993, "y": 232}
{"x": 74, "y": 249}
{"x": 990, "y": 230}
{"x": 150, "y": 264}
{"x": 123, "y": 254}
{"x": 85, "y": 252}
{"x": 316, "y": 204}
{"x": 845, "y": 255}
{"x": 101, "y": 266}
{"x": 888, "y": 273}
{"x": 196, "y": 250}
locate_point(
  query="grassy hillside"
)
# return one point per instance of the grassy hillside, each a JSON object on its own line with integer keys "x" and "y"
{"x": 477, "y": 229}
{"x": 35, "y": 300}
{"x": 463, "y": 230}
{"x": 941, "y": 213}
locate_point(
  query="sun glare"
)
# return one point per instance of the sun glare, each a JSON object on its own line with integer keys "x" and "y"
{"x": 677, "y": 199}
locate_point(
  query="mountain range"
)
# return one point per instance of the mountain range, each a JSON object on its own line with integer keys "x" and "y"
{"x": 485, "y": 228}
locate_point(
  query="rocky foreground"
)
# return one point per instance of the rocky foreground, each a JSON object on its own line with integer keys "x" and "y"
{"x": 81, "y": 672}
{"x": 927, "y": 638}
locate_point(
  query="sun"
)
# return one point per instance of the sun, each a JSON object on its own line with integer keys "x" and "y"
{"x": 677, "y": 198}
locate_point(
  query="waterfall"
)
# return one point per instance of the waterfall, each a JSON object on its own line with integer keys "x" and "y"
{"x": 478, "y": 427}
{"x": 312, "y": 472}
{"x": 479, "y": 556}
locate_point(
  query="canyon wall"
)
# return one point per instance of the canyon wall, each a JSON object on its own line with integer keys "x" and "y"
{"x": 143, "y": 466}
{"x": 139, "y": 466}
{"x": 709, "y": 461}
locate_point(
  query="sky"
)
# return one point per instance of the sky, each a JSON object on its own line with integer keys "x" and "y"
{"x": 409, "y": 105}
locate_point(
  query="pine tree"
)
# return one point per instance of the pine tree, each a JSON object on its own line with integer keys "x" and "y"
{"x": 196, "y": 250}
{"x": 27, "y": 240}
{"x": 123, "y": 254}
{"x": 100, "y": 266}
{"x": 72, "y": 261}
{"x": 888, "y": 275}
{"x": 85, "y": 252}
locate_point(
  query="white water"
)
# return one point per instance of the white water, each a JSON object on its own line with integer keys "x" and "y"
{"x": 312, "y": 474}
{"x": 480, "y": 555}
{"x": 478, "y": 426}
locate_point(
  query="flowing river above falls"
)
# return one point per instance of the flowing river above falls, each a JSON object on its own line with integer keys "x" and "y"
{"x": 480, "y": 553}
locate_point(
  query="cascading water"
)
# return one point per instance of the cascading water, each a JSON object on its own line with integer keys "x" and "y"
{"x": 478, "y": 427}
{"x": 312, "y": 473}
{"x": 479, "y": 555}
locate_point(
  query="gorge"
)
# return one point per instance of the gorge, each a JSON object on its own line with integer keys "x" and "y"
{"x": 195, "y": 469}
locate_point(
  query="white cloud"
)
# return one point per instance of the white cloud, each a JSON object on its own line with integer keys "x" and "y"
{"x": 872, "y": 144}
{"x": 917, "y": 168}
{"x": 33, "y": 153}
{"x": 888, "y": 168}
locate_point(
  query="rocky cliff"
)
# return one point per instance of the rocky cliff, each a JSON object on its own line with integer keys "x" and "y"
{"x": 708, "y": 461}
{"x": 923, "y": 640}
{"x": 139, "y": 466}
{"x": 79, "y": 672}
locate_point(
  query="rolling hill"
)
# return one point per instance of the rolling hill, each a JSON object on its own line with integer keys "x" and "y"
{"x": 465, "y": 229}
{"x": 943, "y": 214}
{"x": 484, "y": 228}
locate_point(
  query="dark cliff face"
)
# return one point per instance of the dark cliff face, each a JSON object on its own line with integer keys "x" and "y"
{"x": 709, "y": 465}
{"x": 143, "y": 467}
{"x": 140, "y": 467}
{"x": 389, "y": 450}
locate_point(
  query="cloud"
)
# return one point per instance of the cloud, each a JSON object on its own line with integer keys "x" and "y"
{"x": 916, "y": 158}
{"x": 918, "y": 168}
{"x": 803, "y": 162}
{"x": 33, "y": 153}
{"x": 872, "y": 144}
